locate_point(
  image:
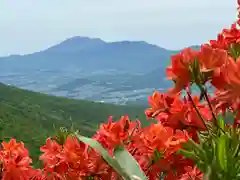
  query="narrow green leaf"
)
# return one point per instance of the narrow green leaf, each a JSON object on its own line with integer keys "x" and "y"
{"x": 187, "y": 154}
{"x": 222, "y": 152}
{"x": 198, "y": 149}
{"x": 236, "y": 150}
{"x": 128, "y": 163}
{"x": 157, "y": 156}
{"x": 106, "y": 156}
{"x": 207, "y": 175}
{"x": 220, "y": 121}
{"x": 200, "y": 138}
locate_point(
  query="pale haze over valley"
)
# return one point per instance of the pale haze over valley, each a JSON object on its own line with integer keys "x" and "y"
{"x": 113, "y": 51}
{"x": 28, "y": 26}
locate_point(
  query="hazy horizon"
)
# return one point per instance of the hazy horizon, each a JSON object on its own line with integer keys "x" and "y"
{"x": 28, "y": 27}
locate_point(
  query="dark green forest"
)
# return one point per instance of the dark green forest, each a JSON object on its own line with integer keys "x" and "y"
{"x": 32, "y": 117}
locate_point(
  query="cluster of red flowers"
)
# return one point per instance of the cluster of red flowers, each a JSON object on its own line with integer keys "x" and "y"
{"x": 155, "y": 146}
{"x": 74, "y": 160}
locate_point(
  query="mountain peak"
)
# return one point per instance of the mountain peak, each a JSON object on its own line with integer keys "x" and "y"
{"x": 75, "y": 44}
{"x": 78, "y": 39}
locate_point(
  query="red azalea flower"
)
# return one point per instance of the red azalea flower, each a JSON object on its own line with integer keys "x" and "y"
{"x": 232, "y": 35}
{"x": 15, "y": 161}
{"x": 159, "y": 105}
{"x": 192, "y": 173}
{"x": 179, "y": 71}
{"x": 220, "y": 43}
{"x": 210, "y": 58}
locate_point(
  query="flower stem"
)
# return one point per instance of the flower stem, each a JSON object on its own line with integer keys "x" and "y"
{"x": 199, "y": 114}
{"x": 204, "y": 91}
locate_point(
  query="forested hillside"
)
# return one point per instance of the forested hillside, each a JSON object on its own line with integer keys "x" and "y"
{"x": 31, "y": 117}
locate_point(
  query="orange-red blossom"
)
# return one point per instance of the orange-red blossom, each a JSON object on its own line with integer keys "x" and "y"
{"x": 74, "y": 160}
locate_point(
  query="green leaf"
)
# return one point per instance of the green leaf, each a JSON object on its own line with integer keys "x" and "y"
{"x": 220, "y": 121}
{"x": 187, "y": 154}
{"x": 198, "y": 149}
{"x": 196, "y": 71}
{"x": 106, "y": 156}
{"x": 222, "y": 152}
{"x": 234, "y": 50}
{"x": 207, "y": 175}
{"x": 127, "y": 161}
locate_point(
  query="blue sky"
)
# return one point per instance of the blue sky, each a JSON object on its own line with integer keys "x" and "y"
{"x": 32, "y": 25}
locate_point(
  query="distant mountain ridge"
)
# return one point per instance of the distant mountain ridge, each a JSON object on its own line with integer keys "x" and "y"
{"x": 94, "y": 53}
{"x": 90, "y": 52}
{"x": 80, "y": 65}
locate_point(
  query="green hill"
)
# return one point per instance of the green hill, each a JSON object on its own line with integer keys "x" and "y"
{"x": 30, "y": 116}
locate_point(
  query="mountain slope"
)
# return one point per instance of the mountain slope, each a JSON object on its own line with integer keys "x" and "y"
{"x": 30, "y": 116}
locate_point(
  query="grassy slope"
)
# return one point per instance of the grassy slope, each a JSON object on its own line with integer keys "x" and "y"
{"x": 29, "y": 116}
